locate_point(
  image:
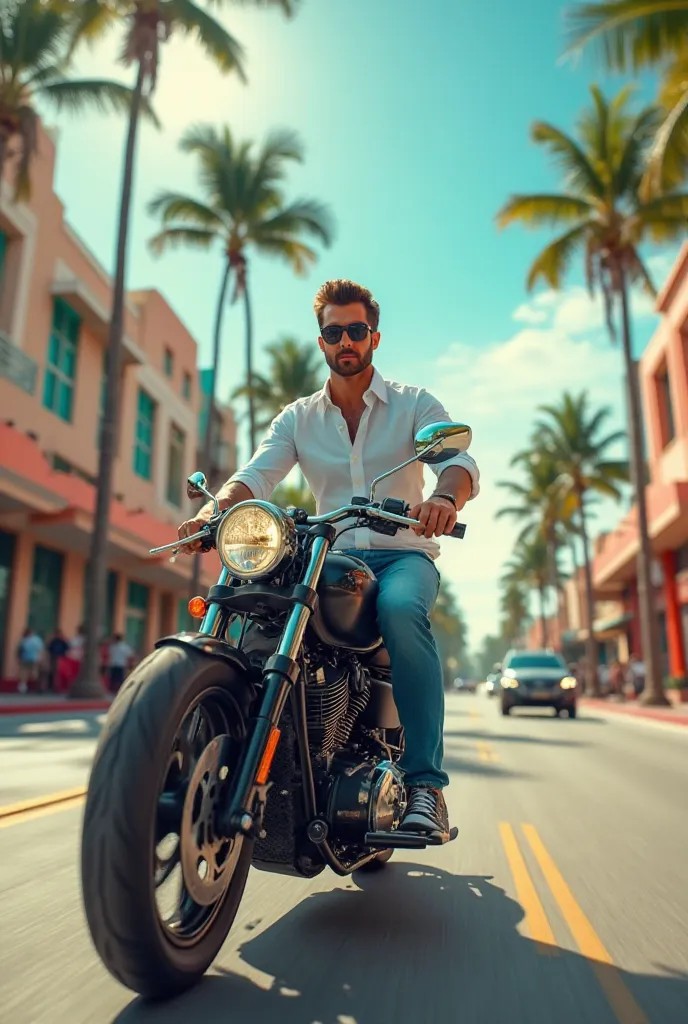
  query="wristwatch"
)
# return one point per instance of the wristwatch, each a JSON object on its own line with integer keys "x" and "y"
{"x": 449, "y": 497}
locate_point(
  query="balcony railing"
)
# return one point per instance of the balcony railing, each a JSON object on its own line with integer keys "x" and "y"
{"x": 16, "y": 366}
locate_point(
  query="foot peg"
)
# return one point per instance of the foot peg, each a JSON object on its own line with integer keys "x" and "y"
{"x": 408, "y": 840}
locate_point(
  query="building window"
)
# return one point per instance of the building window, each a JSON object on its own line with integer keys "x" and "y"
{"x": 44, "y": 596}
{"x": 143, "y": 444}
{"x": 137, "y": 616}
{"x": 186, "y": 386}
{"x": 60, "y": 371}
{"x": 6, "y": 564}
{"x": 175, "y": 466}
{"x": 168, "y": 362}
{"x": 666, "y": 408}
{"x": 184, "y": 621}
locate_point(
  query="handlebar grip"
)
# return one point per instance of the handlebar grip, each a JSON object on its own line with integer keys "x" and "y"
{"x": 458, "y": 531}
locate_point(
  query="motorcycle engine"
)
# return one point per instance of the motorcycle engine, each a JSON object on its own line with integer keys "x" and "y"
{"x": 335, "y": 697}
{"x": 367, "y": 796}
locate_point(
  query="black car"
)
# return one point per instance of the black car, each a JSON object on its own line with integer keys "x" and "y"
{"x": 537, "y": 679}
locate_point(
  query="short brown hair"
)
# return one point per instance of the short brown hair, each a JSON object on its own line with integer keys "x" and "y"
{"x": 341, "y": 292}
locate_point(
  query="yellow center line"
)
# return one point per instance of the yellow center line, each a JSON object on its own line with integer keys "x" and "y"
{"x": 27, "y": 810}
{"x": 588, "y": 941}
{"x": 535, "y": 918}
{"x": 474, "y": 714}
{"x": 485, "y": 751}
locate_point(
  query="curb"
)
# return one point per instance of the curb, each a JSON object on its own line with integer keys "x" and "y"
{"x": 634, "y": 712}
{"x": 53, "y": 707}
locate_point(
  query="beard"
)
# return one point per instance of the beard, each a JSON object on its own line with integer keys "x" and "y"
{"x": 354, "y": 364}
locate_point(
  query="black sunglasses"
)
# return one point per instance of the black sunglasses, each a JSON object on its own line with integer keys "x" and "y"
{"x": 332, "y": 334}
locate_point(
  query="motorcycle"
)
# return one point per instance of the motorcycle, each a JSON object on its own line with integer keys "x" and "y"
{"x": 268, "y": 737}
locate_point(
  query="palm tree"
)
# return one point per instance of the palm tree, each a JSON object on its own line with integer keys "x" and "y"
{"x": 542, "y": 508}
{"x": 574, "y": 439}
{"x": 646, "y": 33}
{"x": 147, "y": 23}
{"x": 606, "y": 219}
{"x": 529, "y": 566}
{"x": 295, "y": 371}
{"x": 243, "y": 209}
{"x": 514, "y": 608}
{"x": 34, "y": 50}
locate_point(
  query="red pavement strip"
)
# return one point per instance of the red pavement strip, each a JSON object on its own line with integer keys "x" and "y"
{"x": 50, "y": 707}
{"x": 671, "y": 715}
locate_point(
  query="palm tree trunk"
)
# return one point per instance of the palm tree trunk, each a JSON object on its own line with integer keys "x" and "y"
{"x": 249, "y": 368}
{"x": 88, "y": 681}
{"x": 207, "y": 454}
{"x": 543, "y": 614}
{"x": 654, "y": 689}
{"x": 592, "y": 683}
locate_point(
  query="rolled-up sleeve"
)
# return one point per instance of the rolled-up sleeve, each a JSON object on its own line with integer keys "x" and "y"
{"x": 430, "y": 410}
{"x": 273, "y": 459}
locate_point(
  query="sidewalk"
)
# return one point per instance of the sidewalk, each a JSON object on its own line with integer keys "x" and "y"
{"x": 677, "y": 714}
{"x": 48, "y": 704}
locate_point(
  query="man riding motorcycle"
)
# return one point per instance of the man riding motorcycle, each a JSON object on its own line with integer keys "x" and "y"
{"x": 343, "y": 437}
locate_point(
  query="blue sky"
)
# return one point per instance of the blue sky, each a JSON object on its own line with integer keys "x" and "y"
{"x": 415, "y": 121}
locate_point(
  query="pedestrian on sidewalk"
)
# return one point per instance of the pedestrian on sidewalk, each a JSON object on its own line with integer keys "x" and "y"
{"x": 29, "y": 654}
{"x": 119, "y": 658}
{"x": 57, "y": 648}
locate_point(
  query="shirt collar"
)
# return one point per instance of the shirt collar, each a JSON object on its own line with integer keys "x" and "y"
{"x": 377, "y": 388}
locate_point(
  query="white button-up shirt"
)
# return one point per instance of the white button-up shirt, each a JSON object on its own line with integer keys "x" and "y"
{"x": 312, "y": 432}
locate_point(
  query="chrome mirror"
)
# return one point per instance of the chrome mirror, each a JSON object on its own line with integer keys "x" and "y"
{"x": 439, "y": 442}
{"x": 197, "y": 487}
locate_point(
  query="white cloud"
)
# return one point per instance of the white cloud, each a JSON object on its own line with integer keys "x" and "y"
{"x": 574, "y": 312}
{"x": 528, "y": 314}
{"x": 497, "y": 391}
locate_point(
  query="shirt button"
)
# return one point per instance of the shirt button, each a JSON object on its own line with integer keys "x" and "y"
{"x": 355, "y": 458}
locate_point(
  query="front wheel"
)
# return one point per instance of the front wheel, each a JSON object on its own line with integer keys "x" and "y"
{"x": 161, "y": 888}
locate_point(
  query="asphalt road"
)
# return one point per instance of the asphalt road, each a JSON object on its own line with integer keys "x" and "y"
{"x": 564, "y": 900}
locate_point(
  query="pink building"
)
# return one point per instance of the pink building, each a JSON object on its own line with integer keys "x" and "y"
{"x": 664, "y": 385}
{"x": 55, "y": 302}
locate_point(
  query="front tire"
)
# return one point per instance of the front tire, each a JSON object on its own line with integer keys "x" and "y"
{"x": 506, "y": 709}
{"x": 136, "y": 801}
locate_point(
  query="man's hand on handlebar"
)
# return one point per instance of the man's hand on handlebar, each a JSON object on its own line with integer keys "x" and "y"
{"x": 437, "y": 517}
{"x": 192, "y": 526}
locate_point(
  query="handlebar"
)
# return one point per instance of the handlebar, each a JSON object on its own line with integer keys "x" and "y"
{"x": 346, "y": 512}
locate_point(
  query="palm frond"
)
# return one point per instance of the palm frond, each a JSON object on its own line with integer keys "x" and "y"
{"x": 171, "y": 237}
{"x": 301, "y": 216}
{"x": 536, "y": 210}
{"x": 174, "y": 206}
{"x": 103, "y": 95}
{"x": 668, "y": 162}
{"x": 554, "y": 260}
{"x": 227, "y": 52}
{"x": 579, "y": 174}
{"x": 632, "y": 33}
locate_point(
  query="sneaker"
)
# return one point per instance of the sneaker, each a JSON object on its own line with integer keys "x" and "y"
{"x": 426, "y": 812}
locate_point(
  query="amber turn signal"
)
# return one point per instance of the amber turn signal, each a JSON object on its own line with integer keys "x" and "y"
{"x": 197, "y": 607}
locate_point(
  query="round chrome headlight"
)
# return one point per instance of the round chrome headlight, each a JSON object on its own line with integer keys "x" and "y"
{"x": 256, "y": 539}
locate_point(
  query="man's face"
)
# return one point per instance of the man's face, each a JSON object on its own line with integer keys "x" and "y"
{"x": 347, "y": 358}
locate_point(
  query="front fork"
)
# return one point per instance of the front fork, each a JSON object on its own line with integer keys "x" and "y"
{"x": 279, "y": 676}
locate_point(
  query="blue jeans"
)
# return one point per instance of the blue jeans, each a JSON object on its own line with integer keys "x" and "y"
{"x": 409, "y": 583}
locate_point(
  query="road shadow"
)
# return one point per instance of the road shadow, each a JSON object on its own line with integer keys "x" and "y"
{"x": 410, "y": 945}
{"x": 512, "y": 738}
{"x": 65, "y": 726}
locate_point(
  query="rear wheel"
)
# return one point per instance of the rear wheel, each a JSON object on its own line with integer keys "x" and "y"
{"x": 161, "y": 887}
{"x": 572, "y": 711}
{"x": 506, "y": 710}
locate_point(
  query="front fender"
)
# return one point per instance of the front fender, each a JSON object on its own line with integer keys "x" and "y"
{"x": 213, "y": 647}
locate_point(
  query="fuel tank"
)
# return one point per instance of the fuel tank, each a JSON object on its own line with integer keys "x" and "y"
{"x": 347, "y": 596}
